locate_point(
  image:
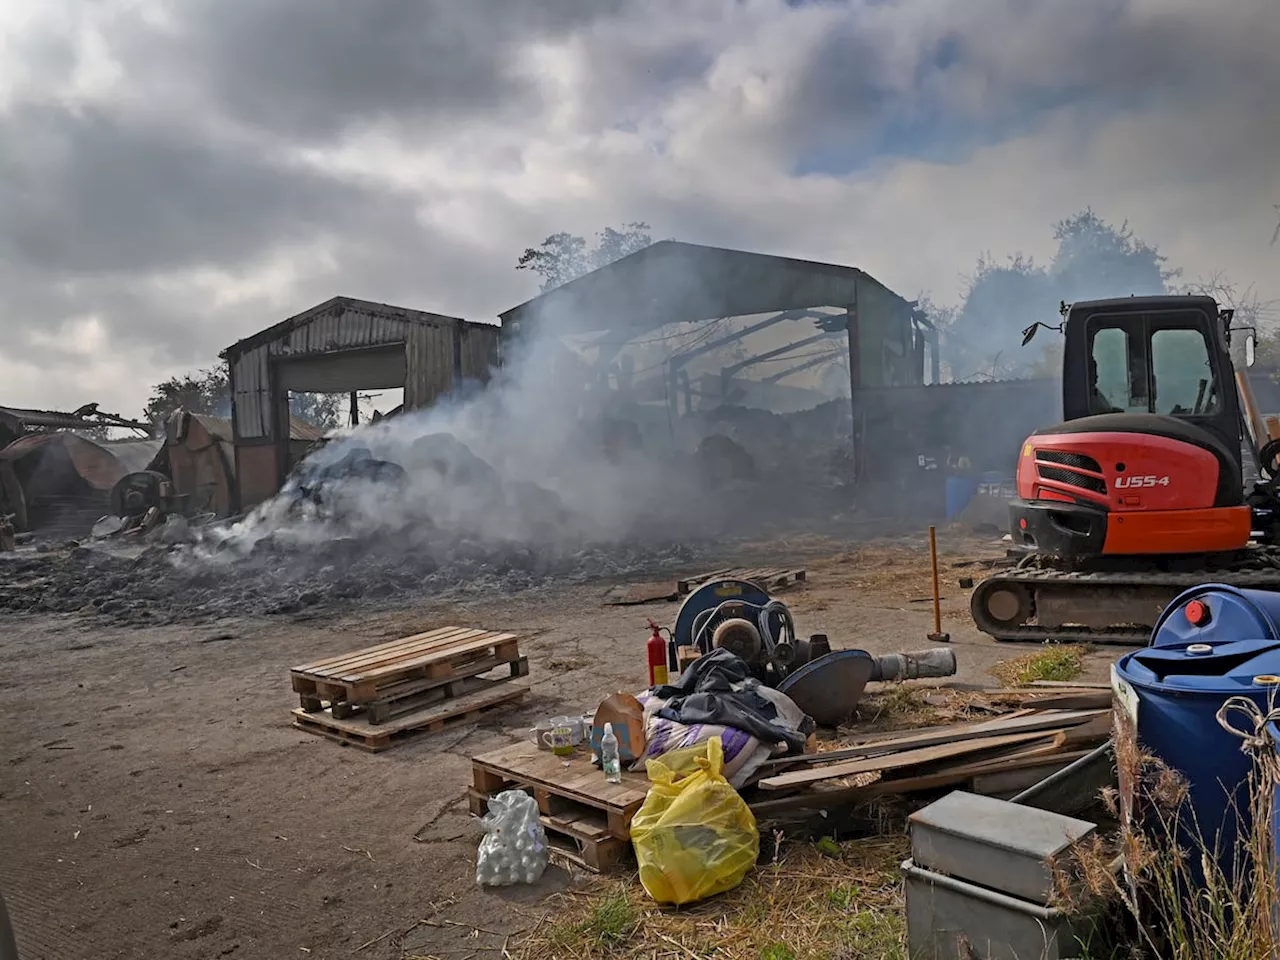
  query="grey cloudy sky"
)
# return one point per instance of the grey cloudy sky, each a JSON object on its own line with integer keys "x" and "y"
{"x": 176, "y": 175}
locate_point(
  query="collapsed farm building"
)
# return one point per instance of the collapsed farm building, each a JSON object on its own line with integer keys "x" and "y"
{"x": 680, "y": 393}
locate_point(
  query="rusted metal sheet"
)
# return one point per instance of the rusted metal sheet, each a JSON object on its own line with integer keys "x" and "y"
{"x": 430, "y": 352}
{"x": 95, "y": 464}
{"x": 257, "y": 477}
{"x": 201, "y": 462}
{"x": 479, "y": 353}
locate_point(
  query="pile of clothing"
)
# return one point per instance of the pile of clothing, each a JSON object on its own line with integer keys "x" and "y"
{"x": 717, "y": 696}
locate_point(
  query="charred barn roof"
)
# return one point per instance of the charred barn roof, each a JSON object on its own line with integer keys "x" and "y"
{"x": 675, "y": 282}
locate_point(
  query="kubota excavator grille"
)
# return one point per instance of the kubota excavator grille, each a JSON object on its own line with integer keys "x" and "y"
{"x": 1069, "y": 459}
{"x": 1063, "y": 475}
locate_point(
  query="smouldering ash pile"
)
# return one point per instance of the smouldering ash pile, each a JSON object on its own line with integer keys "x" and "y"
{"x": 151, "y": 589}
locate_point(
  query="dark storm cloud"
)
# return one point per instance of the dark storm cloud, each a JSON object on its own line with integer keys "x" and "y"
{"x": 884, "y": 81}
{"x": 310, "y": 68}
{"x": 92, "y": 192}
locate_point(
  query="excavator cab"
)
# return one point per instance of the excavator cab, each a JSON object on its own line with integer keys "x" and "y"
{"x": 1165, "y": 356}
{"x": 1148, "y": 457}
{"x": 1140, "y": 490}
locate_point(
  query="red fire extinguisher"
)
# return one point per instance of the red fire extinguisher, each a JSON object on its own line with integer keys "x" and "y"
{"x": 657, "y": 657}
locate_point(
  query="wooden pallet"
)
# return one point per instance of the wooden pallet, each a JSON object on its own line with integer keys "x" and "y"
{"x": 762, "y": 577}
{"x": 427, "y": 659}
{"x": 630, "y": 595}
{"x": 561, "y": 785}
{"x": 359, "y": 732}
{"x": 577, "y": 833}
{"x": 410, "y": 695}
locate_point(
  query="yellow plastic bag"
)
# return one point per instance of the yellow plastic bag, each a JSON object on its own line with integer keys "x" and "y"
{"x": 694, "y": 836}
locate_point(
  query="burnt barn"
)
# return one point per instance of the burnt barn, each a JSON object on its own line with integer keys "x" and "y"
{"x": 342, "y": 346}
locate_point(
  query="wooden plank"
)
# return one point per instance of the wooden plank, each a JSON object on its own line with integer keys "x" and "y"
{"x": 956, "y": 733}
{"x": 385, "y": 707}
{"x": 845, "y": 796}
{"x": 323, "y": 667}
{"x": 1013, "y": 781}
{"x": 905, "y": 758}
{"x": 359, "y": 666}
{"x": 359, "y": 732}
{"x": 456, "y": 649}
{"x": 1071, "y": 685}
{"x": 637, "y": 593}
{"x": 405, "y": 649}
{"x": 574, "y": 777}
{"x": 763, "y": 577}
{"x": 400, "y": 651}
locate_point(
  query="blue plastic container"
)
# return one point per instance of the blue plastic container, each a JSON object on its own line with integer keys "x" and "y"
{"x": 960, "y": 491}
{"x": 1233, "y": 614}
{"x": 1179, "y": 689}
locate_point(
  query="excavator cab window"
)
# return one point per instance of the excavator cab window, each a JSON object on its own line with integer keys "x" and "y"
{"x": 1150, "y": 363}
{"x": 1183, "y": 377}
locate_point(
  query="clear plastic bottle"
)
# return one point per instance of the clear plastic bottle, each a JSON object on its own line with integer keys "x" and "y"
{"x": 610, "y": 761}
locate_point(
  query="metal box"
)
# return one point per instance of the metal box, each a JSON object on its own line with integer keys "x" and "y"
{"x": 950, "y": 919}
{"x": 993, "y": 843}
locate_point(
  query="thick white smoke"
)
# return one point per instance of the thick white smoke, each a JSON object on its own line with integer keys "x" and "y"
{"x": 524, "y": 459}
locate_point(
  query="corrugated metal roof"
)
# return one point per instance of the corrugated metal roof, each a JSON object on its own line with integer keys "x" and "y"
{"x": 301, "y": 430}
{"x": 330, "y": 331}
{"x": 134, "y": 454}
{"x": 675, "y": 282}
{"x": 98, "y": 464}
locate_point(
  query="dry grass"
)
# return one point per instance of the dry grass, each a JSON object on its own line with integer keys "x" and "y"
{"x": 1055, "y": 663}
{"x": 1149, "y": 869}
{"x": 897, "y": 706}
{"x": 826, "y": 901}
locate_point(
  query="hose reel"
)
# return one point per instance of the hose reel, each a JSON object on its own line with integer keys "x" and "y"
{"x": 738, "y": 616}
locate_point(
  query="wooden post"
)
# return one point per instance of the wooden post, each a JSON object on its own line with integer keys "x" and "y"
{"x": 355, "y": 408}
{"x": 937, "y": 636}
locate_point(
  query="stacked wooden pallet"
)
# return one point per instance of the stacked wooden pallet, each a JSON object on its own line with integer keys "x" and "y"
{"x": 374, "y": 697}
{"x": 587, "y": 819}
{"x": 766, "y": 578}
{"x": 997, "y": 757}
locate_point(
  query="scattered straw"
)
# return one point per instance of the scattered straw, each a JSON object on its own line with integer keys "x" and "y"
{"x": 1055, "y": 663}
{"x": 830, "y": 899}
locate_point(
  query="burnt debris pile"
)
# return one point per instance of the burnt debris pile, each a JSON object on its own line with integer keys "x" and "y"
{"x": 162, "y": 586}
{"x": 353, "y": 523}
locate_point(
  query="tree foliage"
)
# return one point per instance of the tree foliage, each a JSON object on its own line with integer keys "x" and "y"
{"x": 563, "y": 256}
{"x": 209, "y": 392}
{"x": 203, "y": 391}
{"x": 323, "y": 410}
{"x": 1093, "y": 259}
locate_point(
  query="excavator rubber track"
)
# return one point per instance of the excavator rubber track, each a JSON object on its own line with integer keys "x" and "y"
{"x": 1051, "y": 602}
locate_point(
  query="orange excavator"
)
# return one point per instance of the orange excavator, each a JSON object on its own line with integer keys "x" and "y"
{"x": 1141, "y": 491}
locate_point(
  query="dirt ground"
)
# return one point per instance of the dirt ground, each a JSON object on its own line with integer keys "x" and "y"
{"x": 156, "y": 802}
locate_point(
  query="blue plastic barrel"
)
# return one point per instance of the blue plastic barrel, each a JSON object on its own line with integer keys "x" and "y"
{"x": 1179, "y": 689}
{"x": 960, "y": 491}
{"x": 1223, "y": 614}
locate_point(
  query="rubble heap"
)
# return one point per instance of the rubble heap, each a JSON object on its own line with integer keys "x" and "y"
{"x": 151, "y": 589}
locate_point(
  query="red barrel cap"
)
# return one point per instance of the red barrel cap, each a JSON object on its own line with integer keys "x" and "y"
{"x": 1197, "y": 613}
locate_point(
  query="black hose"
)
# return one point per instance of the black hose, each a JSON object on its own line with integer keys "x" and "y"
{"x": 1267, "y": 459}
